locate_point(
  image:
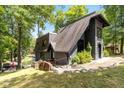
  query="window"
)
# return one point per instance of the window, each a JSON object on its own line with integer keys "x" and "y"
{"x": 99, "y": 32}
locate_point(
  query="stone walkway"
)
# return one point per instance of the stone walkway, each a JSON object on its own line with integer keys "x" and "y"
{"x": 104, "y": 63}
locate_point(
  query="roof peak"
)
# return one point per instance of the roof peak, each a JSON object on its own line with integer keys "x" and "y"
{"x": 79, "y": 18}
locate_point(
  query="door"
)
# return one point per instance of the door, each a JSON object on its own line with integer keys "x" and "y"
{"x": 80, "y": 45}
{"x": 99, "y": 51}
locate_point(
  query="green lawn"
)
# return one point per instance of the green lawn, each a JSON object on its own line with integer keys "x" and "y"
{"x": 112, "y": 77}
{"x": 27, "y": 60}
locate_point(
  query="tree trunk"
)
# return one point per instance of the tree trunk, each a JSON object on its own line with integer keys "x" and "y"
{"x": 19, "y": 45}
{"x": 38, "y": 28}
{"x": 115, "y": 39}
{"x": 122, "y": 39}
{"x": 12, "y": 28}
{"x": 0, "y": 65}
{"x": 15, "y": 55}
{"x": 113, "y": 46}
{"x": 11, "y": 55}
{"x": 121, "y": 46}
{"x": 1, "y": 62}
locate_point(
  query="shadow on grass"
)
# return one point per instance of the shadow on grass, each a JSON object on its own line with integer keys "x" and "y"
{"x": 47, "y": 80}
{"x": 106, "y": 78}
{"x": 7, "y": 73}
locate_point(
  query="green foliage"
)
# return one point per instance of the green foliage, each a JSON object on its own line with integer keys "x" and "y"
{"x": 85, "y": 57}
{"x": 60, "y": 18}
{"x": 1, "y": 9}
{"x": 73, "y": 13}
{"x": 42, "y": 15}
{"x": 12, "y": 18}
{"x": 106, "y": 53}
{"x": 75, "y": 59}
{"x": 114, "y": 33}
{"x": 82, "y": 57}
{"x": 27, "y": 60}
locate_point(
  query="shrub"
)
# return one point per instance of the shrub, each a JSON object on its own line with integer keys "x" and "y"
{"x": 85, "y": 57}
{"x": 75, "y": 59}
{"x": 106, "y": 53}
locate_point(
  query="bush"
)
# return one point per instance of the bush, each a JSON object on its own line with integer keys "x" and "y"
{"x": 106, "y": 53}
{"x": 75, "y": 59}
{"x": 82, "y": 57}
{"x": 85, "y": 57}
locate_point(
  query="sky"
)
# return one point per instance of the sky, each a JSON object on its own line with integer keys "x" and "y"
{"x": 50, "y": 28}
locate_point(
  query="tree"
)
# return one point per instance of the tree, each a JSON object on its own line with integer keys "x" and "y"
{"x": 59, "y": 19}
{"x": 42, "y": 14}
{"x": 73, "y": 13}
{"x": 115, "y": 16}
{"x": 18, "y": 23}
{"x": 24, "y": 23}
{"x": 121, "y": 25}
{"x": 3, "y": 31}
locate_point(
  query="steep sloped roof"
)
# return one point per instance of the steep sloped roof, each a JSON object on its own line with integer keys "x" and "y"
{"x": 39, "y": 42}
{"x": 68, "y": 36}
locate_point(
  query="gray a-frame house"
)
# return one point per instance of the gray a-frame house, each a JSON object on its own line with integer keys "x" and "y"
{"x": 69, "y": 40}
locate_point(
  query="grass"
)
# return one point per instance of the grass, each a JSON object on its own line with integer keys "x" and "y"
{"x": 27, "y": 60}
{"x": 10, "y": 79}
{"x": 112, "y": 77}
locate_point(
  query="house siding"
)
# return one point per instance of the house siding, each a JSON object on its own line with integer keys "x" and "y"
{"x": 61, "y": 58}
{"x": 47, "y": 55}
{"x": 90, "y": 36}
{"x": 72, "y": 53}
{"x": 98, "y": 41}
